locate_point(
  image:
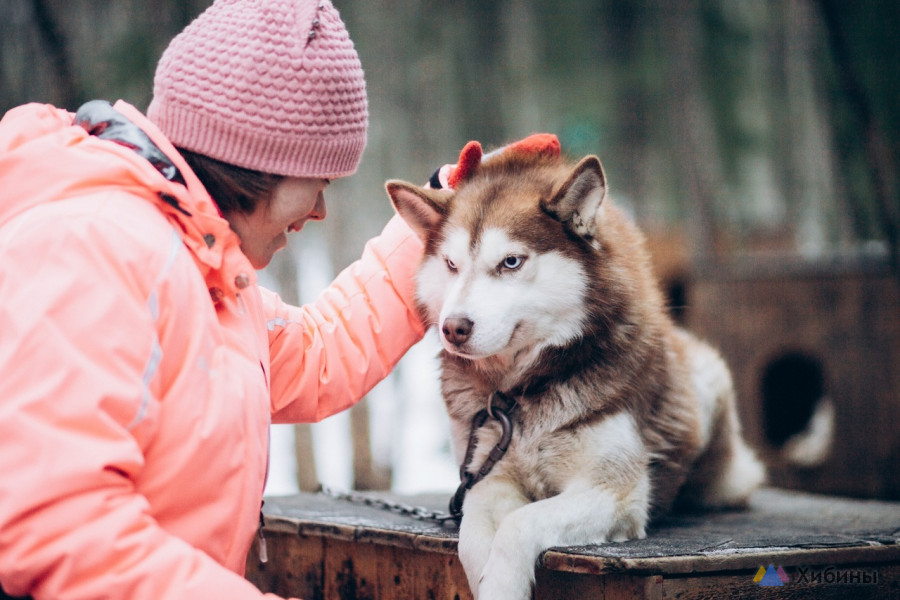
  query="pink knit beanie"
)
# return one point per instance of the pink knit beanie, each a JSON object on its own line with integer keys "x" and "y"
{"x": 269, "y": 85}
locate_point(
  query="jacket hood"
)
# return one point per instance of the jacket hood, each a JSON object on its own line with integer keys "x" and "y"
{"x": 48, "y": 154}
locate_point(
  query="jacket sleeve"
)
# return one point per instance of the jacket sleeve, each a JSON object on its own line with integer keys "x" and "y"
{"x": 76, "y": 417}
{"x": 327, "y": 355}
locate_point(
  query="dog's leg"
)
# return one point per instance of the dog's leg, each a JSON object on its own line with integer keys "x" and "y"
{"x": 581, "y": 515}
{"x": 485, "y": 507}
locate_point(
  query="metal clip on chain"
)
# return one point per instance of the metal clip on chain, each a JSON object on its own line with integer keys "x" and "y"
{"x": 469, "y": 479}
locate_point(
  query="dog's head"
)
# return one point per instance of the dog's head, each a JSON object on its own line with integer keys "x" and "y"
{"x": 507, "y": 251}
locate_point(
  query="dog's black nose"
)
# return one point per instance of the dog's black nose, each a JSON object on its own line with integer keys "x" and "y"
{"x": 457, "y": 329}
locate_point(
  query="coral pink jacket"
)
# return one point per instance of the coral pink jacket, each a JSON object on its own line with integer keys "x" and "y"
{"x": 140, "y": 366}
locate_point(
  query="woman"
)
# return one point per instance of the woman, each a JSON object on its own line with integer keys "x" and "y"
{"x": 140, "y": 364}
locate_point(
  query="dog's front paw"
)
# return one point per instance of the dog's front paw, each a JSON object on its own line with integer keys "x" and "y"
{"x": 473, "y": 561}
{"x": 474, "y": 551}
{"x": 504, "y": 585}
{"x": 509, "y": 571}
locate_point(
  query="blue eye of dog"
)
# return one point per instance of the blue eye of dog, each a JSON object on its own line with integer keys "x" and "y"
{"x": 512, "y": 262}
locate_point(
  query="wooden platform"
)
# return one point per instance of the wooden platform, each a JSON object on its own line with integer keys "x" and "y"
{"x": 326, "y": 549}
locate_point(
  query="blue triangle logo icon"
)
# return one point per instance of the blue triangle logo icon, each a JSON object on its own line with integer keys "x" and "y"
{"x": 771, "y": 578}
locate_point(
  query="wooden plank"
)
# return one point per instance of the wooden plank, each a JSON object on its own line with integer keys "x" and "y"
{"x": 319, "y": 569}
{"x": 571, "y": 561}
{"x": 367, "y": 571}
{"x": 320, "y": 547}
{"x": 295, "y": 566}
{"x": 740, "y": 585}
{"x": 563, "y": 585}
{"x": 812, "y": 529}
{"x": 350, "y": 571}
{"x": 409, "y": 573}
{"x": 555, "y": 585}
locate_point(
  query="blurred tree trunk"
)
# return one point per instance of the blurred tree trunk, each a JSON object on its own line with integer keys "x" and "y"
{"x": 478, "y": 53}
{"x": 877, "y": 151}
{"x": 367, "y": 474}
{"x": 780, "y": 104}
{"x": 817, "y": 210}
{"x": 693, "y": 141}
{"x": 626, "y": 24}
{"x": 59, "y": 50}
{"x": 304, "y": 450}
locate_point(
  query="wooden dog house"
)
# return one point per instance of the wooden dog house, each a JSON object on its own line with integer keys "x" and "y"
{"x": 805, "y": 336}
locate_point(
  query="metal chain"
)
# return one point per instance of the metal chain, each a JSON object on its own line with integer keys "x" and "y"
{"x": 401, "y": 508}
{"x": 467, "y": 479}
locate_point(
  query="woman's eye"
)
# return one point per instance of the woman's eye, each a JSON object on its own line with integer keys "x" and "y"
{"x": 450, "y": 264}
{"x": 512, "y": 262}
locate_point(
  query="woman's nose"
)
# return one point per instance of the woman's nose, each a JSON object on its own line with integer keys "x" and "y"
{"x": 319, "y": 211}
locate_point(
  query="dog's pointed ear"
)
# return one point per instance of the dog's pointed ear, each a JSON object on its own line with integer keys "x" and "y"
{"x": 577, "y": 201}
{"x": 422, "y": 208}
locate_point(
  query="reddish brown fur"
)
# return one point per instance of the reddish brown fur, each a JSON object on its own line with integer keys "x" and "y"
{"x": 630, "y": 356}
{"x": 629, "y": 346}
{"x": 617, "y": 408}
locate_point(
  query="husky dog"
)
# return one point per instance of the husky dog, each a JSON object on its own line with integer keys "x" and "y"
{"x": 542, "y": 291}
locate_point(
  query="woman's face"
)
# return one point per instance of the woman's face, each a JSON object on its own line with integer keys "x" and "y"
{"x": 264, "y": 232}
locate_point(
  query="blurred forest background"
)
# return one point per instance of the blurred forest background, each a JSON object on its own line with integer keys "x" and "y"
{"x": 727, "y": 127}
